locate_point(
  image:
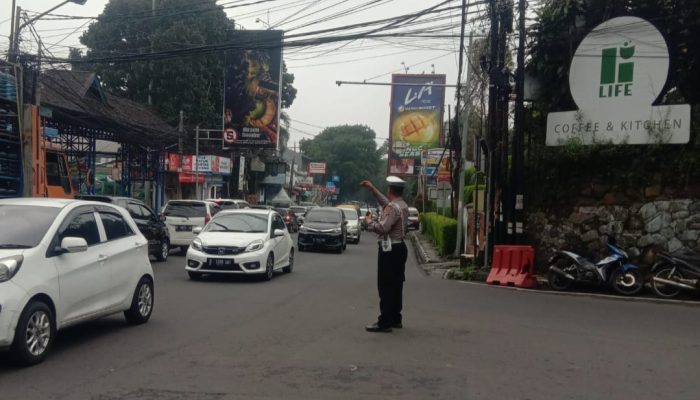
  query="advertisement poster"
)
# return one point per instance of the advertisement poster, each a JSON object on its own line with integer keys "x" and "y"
{"x": 415, "y": 120}
{"x": 253, "y": 83}
{"x": 317, "y": 168}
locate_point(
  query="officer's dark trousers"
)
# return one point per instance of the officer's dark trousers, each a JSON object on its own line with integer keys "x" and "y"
{"x": 390, "y": 277}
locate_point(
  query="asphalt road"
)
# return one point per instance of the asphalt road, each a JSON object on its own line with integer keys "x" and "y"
{"x": 301, "y": 336}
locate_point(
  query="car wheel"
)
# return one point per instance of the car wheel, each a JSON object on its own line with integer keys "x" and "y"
{"x": 269, "y": 268}
{"x": 164, "y": 251}
{"x": 34, "y": 334}
{"x": 195, "y": 276}
{"x": 289, "y": 268}
{"x": 142, "y": 303}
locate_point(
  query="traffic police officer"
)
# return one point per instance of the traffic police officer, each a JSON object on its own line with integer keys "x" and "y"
{"x": 391, "y": 266}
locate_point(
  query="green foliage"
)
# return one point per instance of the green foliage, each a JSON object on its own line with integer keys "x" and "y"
{"x": 193, "y": 84}
{"x": 442, "y": 231}
{"x": 469, "y": 273}
{"x": 350, "y": 151}
{"x": 469, "y": 192}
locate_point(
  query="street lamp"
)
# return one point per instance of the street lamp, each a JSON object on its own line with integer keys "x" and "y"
{"x": 17, "y": 27}
{"x": 267, "y": 25}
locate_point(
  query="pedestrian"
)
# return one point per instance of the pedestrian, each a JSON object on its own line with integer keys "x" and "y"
{"x": 391, "y": 261}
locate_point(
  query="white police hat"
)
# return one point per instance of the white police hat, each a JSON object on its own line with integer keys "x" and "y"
{"x": 395, "y": 181}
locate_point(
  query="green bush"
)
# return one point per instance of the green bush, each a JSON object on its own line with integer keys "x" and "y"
{"x": 469, "y": 192}
{"x": 441, "y": 230}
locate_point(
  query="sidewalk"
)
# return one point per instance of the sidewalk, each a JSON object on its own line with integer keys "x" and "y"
{"x": 428, "y": 258}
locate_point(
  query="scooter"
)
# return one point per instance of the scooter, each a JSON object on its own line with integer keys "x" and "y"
{"x": 673, "y": 273}
{"x": 567, "y": 268}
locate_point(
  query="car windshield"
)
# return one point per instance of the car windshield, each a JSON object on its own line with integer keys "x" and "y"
{"x": 186, "y": 210}
{"x": 298, "y": 210}
{"x": 349, "y": 214}
{"x": 23, "y": 227}
{"x": 323, "y": 215}
{"x": 248, "y": 223}
{"x": 413, "y": 212}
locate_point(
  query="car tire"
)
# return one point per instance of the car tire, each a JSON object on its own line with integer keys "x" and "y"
{"x": 37, "y": 317}
{"x": 164, "y": 251}
{"x": 183, "y": 249}
{"x": 269, "y": 268}
{"x": 289, "y": 268}
{"x": 142, "y": 303}
{"x": 195, "y": 276}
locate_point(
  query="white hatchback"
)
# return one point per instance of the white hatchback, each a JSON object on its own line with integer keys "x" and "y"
{"x": 63, "y": 262}
{"x": 249, "y": 241}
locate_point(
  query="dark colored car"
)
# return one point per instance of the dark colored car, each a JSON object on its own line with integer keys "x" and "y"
{"x": 150, "y": 225}
{"x": 290, "y": 219}
{"x": 323, "y": 228}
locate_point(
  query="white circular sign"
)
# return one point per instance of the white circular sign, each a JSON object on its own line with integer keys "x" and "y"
{"x": 622, "y": 64}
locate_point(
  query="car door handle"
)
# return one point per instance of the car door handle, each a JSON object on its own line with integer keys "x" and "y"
{"x": 102, "y": 258}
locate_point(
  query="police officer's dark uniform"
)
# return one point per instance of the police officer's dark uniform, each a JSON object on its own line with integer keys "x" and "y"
{"x": 391, "y": 265}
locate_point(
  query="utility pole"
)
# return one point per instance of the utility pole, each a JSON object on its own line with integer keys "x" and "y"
{"x": 181, "y": 130}
{"x": 13, "y": 53}
{"x": 463, "y": 159}
{"x": 291, "y": 173}
{"x": 150, "y": 63}
{"x": 196, "y": 163}
{"x": 518, "y": 164}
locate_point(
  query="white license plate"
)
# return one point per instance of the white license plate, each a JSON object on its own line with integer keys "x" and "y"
{"x": 183, "y": 228}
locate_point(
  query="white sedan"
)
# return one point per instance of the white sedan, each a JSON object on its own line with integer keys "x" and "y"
{"x": 249, "y": 241}
{"x": 63, "y": 262}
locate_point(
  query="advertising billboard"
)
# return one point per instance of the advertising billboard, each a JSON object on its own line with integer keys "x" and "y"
{"x": 416, "y": 119}
{"x": 317, "y": 168}
{"x": 252, "y": 90}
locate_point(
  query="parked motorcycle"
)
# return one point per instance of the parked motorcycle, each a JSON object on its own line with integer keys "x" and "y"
{"x": 674, "y": 272}
{"x": 567, "y": 268}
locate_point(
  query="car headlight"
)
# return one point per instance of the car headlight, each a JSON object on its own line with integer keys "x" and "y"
{"x": 255, "y": 245}
{"x": 303, "y": 229}
{"x": 337, "y": 230}
{"x": 9, "y": 267}
{"x": 197, "y": 244}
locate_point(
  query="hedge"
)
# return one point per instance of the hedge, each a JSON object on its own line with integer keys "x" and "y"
{"x": 442, "y": 231}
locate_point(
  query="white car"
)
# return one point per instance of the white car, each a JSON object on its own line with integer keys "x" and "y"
{"x": 63, "y": 262}
{"x": 182, "y": 216}
{"x": 249, "y": 241}
{"x": 354, "y": 229}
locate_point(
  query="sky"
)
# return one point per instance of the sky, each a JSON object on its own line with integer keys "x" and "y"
{"x": 319, "y": 102}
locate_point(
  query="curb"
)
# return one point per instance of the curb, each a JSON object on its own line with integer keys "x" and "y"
{"x": 421, "y": 254}
{"x": 653, "y": 300}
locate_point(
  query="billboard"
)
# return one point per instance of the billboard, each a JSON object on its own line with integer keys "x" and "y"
{"x": 317, "y": 168}
{"x": 416, "y": 119}
{"x": 252, "y": 90}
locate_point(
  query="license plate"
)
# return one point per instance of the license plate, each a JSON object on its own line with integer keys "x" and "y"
{"x": 320, "y": 240}
{"x": 183, "y": 228}
{"x": 220, "y": 262}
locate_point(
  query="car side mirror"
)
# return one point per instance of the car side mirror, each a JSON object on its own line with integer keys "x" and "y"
{"x": 278, "y": 233}
{"x": 73, "y": 245}
{"x": 197, "y": 230}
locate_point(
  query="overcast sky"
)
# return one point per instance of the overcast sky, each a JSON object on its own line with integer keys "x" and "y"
{"x": 320, "y": 102}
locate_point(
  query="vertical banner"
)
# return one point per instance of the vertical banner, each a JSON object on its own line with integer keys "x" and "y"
{"x": 252, "y": 90}
{"x": 416, "y": 119}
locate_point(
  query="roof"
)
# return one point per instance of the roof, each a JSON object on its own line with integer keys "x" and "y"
{"x": 257, "y": 211}
{"x": 38, "y": 201}
{"x": 78, "y": 96}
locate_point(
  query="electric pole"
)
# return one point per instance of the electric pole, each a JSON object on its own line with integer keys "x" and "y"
{"x": 181, "y": 130}
{"x": 461, "y": 228}
{"x": 518, "y": 164}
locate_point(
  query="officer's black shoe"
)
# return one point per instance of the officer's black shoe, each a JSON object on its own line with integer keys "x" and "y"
{"x": 397, "y": 325}
{"x": 375, "y": 327}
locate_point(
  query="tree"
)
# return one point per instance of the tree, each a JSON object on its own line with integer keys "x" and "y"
{"x": 193, "y": 84}
{"x": 350, "y": 152}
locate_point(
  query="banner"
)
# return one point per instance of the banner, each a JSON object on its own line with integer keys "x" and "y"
{"x": 253, "y": 84}
{"x": 415, "y": 120}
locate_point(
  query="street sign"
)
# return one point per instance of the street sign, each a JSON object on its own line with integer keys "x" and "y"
{"x": 336, "y": 178}
{"x": 444, "y": 189}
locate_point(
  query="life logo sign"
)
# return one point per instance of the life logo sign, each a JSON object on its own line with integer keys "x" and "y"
{"x": 230, "y": 136}
{"x": 618, "y": 71}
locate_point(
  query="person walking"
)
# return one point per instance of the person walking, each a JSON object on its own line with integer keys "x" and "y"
{"x": 391, "y": 261}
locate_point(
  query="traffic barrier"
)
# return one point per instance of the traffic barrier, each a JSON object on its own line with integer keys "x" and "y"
{"x": 513, "y": 266}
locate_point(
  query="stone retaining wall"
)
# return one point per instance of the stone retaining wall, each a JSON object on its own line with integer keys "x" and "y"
{"x": 670, "y": 224}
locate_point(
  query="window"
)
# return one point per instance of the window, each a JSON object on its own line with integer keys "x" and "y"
{"x": 214, "y": 209}
{"x": 247, "y": 223}
{"x": 82, "y": 226}
{"x": 278, "y": 223}
{"x": 24, "y": 226}
{"x": 135, "y": 211}
{"x": 147, "y": 214}
{"x": 186, "y": 209}
{"x": 115, "y": 226}
{"x": 56, "y": 173}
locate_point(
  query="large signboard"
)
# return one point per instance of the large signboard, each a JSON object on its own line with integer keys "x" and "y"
{"x": 317, "y": 168}
{"x": 252, "y": 89}
{"x": 416, "y": 119}
{"x": 618, "y": 71}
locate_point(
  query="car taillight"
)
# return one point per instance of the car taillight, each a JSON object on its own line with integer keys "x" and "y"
{"x": 207, "y": 218}
{"x": 287, "y": 218}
